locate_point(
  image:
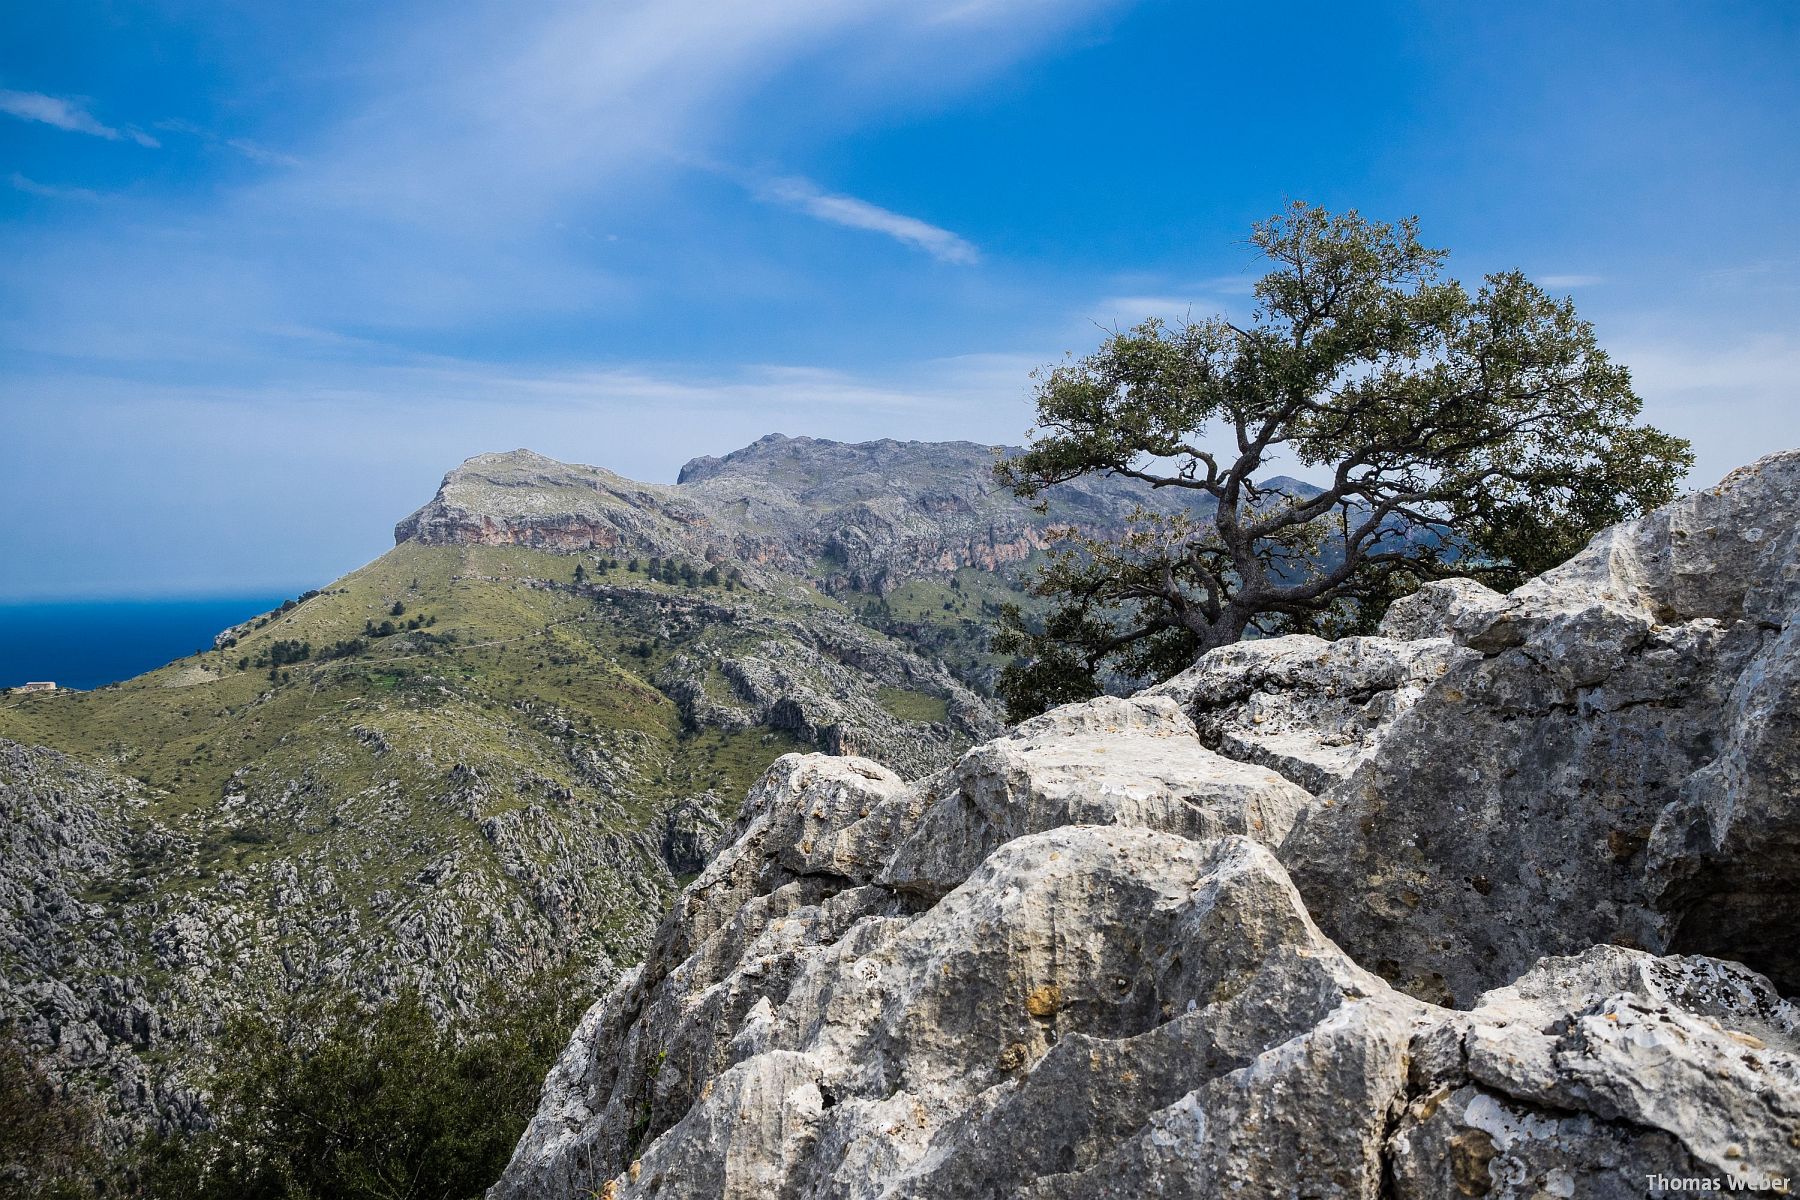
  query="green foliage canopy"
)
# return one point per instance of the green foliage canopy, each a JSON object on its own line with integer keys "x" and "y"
{"x": 1454, "y": 432}
{"x": 325, "y": 1101}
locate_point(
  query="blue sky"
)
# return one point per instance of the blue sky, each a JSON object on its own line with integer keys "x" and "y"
{"x": 266, "y": 271}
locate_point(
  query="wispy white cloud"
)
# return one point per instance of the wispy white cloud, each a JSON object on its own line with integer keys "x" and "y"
{"x": 1763, "y": 365}
{"x": 808, "y": 394}
{"x": 804, "y": 196}
{"x": 433, "y": 161}
{"x": 254, "y": 151}
{"x": 517, "y": 111}
{"x": 1770, "y": 274}
{"x": 50, "y": 191}
{"x": 66, "y": 114}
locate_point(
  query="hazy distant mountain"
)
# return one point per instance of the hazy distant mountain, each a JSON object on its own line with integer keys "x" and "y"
{"x": 864, "y": 517}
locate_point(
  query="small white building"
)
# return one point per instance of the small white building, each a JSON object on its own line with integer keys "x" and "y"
{"x": 42, "y": 685}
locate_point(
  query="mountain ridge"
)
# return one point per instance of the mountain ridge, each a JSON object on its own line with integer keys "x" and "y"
{"x": 850, "y": 517}
{"x": 498, "y": 749}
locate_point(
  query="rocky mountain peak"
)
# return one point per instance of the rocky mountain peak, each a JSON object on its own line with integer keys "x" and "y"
{"x": 806, "y": 462}
{"x": 847, "y": 515}
{"x": 520, "y": 497}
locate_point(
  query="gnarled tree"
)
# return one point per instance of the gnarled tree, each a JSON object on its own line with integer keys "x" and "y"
{"x": 1449, "y": 432}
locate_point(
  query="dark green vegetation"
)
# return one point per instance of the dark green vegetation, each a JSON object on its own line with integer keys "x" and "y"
{"x": 46, "y": 1148}
{"x": 954, "y": 618}
{"x": 1479, "y": 433}
{"x": 323, "y": 1101}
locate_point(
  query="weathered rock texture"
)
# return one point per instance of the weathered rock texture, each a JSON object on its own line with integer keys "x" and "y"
{"x": 1074, "y": 965}
{"x": 1610, "y": 756}
{"x": 1308, "y": 708}
{"x": 524, "y": 499}
{"x": 864, "y": 516}
{"x": 71, "y": 990}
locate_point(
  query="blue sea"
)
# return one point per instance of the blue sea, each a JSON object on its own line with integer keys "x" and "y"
{"x": 88, "y": 643}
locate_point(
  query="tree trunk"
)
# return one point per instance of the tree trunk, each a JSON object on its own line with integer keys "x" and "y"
{"x": 1229, "y": 628}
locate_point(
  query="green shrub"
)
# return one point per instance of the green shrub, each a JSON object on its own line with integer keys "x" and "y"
{"x": 46, "y": 1137}
{"x": 326, "y": 1101}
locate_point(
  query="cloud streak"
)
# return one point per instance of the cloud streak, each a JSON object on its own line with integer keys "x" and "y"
{"x": 66, "y": 115}
{"x": 804, "y": 196}
{"x": 254, "y": 151}
{"x": 50, "y": 191}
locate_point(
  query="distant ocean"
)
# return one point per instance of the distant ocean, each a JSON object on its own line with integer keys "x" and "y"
{"x": 88, "y": 643}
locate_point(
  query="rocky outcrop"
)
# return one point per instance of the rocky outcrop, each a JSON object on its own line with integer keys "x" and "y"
{"x": 1109, "y": 1009}
{"x": 1593, "y": 1075}
{"x": 800, "y": 1009}
{"x": 523, "y": 499}
{"x": 822, "y": 680}
{"x": 1113, "y": 762}
{"x": 71, "y": 992}
{"x": 1074, "y": 963}
{"x": 1611, "y": 757}
{"x": 1308, "y": 708}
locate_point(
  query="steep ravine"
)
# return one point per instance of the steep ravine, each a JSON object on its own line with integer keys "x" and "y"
{"x": 1499, "y": 903}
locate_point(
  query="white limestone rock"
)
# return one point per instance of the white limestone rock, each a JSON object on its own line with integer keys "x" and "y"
{"x": 1438, "y": 609}
{"x": 1617, "y": 764}
{"x": 1305, "y": 707}
{"x": 1060, "y": 968}
{"x": 1104, "y": 762}
{"x": 1592, "y": 1074}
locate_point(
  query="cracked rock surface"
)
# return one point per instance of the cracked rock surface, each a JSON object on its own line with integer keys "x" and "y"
{"x": 1611, "y": 757}
{"x": 1447, "y": 912}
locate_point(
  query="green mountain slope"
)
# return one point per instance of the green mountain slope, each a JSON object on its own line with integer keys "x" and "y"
{"x": 495, "y": 750}
{"x": 453, "y": 765}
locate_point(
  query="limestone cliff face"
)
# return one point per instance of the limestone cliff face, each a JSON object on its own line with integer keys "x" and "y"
{"x": 1499, "y": 903}
{"x": 524, "y": 499}
{"x": 866, "y": 516}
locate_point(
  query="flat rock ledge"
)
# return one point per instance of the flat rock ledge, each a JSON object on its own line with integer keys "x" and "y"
{"x": 1500, "y": 903}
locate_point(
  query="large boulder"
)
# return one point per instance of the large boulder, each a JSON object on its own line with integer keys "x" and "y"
{"x": 1612, "y": 759}
{"x": 1593, "y": 1076}
{"x": 1108, "y": 762}
{"x": 1438, "y": 609}
{"x": 1308, "y": 708}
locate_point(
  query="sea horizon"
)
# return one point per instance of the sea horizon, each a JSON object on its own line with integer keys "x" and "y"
{"x": 86, "y": 642}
